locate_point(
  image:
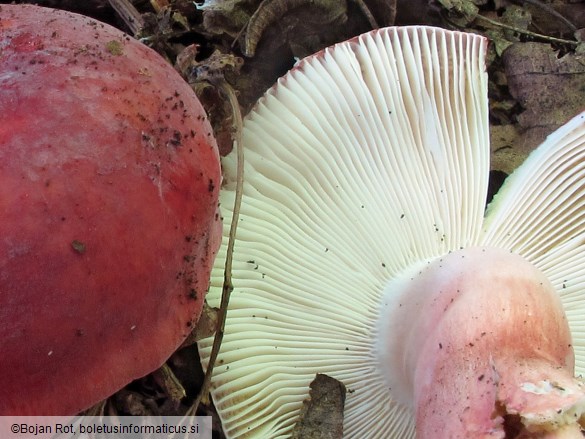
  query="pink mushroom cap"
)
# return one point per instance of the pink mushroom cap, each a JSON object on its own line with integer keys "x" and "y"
{"x": 109, "y": 179}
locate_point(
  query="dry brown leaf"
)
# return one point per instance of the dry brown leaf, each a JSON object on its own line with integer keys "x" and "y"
{"x": 322, "y": 415}
{"x": 461, "y": 12}
{"x": 203, "y": 77}
{"x": 516, "y": 17}
{"x": 206, "y": 326}
{"x": 551, "y": 89}
{"x": 158, "y": 5}
{"x": 548, "y": 20}
{"x": 504, "y": 155}
{"x": 227, "y": 16}
{"x": 384, "y": 11}
{"x": 328, "y": 12}
{"x": 170, "y": 385}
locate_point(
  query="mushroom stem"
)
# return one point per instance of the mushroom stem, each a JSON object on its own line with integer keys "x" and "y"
{"x": 484, "y": 348}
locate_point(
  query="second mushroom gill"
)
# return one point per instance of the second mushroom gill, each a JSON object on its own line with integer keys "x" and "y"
{"x": 363, "y": 253}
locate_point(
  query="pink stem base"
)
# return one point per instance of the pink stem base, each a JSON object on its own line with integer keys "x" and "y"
{"x": 489, "y": 350}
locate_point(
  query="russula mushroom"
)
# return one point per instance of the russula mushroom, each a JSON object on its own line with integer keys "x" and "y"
{"x": 109, "y": 181}
{"x": 363, "y": 253}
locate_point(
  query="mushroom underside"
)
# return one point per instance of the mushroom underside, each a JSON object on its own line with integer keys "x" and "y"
{"x": 400, "y": 118}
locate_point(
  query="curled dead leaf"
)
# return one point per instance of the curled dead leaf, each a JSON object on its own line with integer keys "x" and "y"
{"x": 550, "y": 88}
{"x": 269, "y": 11}
{"x": 504, "y": 155}
{"x": 204, "y": 76}
{"x": 206, "y": 326}
{"x": 322, "y": 415}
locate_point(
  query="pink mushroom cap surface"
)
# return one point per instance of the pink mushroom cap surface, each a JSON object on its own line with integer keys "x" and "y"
{"x": 109, "y": 180}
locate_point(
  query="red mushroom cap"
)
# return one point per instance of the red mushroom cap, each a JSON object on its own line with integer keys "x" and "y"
{"x": 109, "y": 177}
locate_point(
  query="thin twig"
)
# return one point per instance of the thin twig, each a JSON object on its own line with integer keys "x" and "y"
{"x": 129, "y": 14}
{"x": 239, "y": 34}
{"x": 527, "y": 32}
{"x": 228, "y": 287}
{"x": 551, "y": 11}
{"x": 366, "y": 11}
